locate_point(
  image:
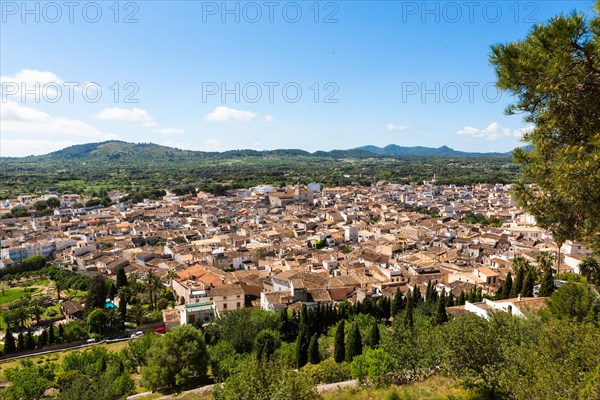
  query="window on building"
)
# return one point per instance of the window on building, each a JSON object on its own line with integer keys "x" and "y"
{"x": 225, "y": 306}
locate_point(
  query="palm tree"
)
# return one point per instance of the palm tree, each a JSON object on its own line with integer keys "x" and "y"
{"x": 112, "y": 318}
{"x": 545, "y": 259}
{"x": 59, "y": 287}
{"x": 37, "y": 308}
{"x": 137, "y": 314}
{"x": 171, "y": 275}
{"x": 590, "y": 268}
{"x": 153, "y": 285}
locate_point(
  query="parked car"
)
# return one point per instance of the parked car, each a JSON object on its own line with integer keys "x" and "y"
{"x": 137, "y": 334}
{"x": 160, "y": 330}
{"x": 90, "y": 341}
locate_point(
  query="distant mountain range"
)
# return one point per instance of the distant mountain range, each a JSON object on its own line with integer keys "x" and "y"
{"x": 123, "y": 151}
{"x": 443, "y": 151}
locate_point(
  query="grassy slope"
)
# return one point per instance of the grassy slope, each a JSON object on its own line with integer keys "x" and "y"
{"x": 55, "y": 357}
{"x": 436, "y": 388}
{"x": 13, "y": 294}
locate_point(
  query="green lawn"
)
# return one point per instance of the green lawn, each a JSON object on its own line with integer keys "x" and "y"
{"x": 43, "y": 282}
{"x": 13, "y": 294}
{"x": 74, "y": 294}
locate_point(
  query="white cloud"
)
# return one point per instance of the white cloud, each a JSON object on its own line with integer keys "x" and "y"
{"x": 519, "y": 133}
{"x": 20, "y": 119}
{"x": 212, "y": 145}
{"x": 127, "y": 115}
{"x": 169, "y": 131}
{"x": 492, "y": 132}
{"x": 31, "y": 77}
{"x": 31, "y": 80}
{"x": 28, "y": 147}
{"x": 395, "y": 128}
{"x": 179, "y": 145}
{"x": 27, "y": 131}
{"x": 268, "y": 118}
{"x": 222, "y": 114}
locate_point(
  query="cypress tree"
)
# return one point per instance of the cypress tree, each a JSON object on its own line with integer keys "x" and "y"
{"x": 9, "y": 342}
{"x": 461, "y": 298}
{"x": 284, "y": 324}
{"x": 51, "y": 336}
{"x": 61, "y": 332}
{"x": 43, "y": 339}
{"x": 397, "y": 303}
{"x": 440, "y": 316}
{"x": 472, "y": 296}
{"x": 302, "y": 346}
{"x": 507, "y": 287}
{"x": 479, "y": 294}
{"x": 354, "y": 347}
{"x": 416, "y": 296}
{"x": 450, "y": 300}
{"x": 29, "y": 341}
{"x": 339, "y": 350}
{"x": 121, "y": 277}
{"x": 429, "y": 292}
{"x": 374, "y": 337}
{"x": 20, "y": 342}
{"x": 528, "y": 285}
{"x": 408, "y": 314}
{"x": 518, "y": 283}
{"x": 123, "y": 310}
{"x": 547, "y": 286}
{"x": 313, "y": 350}
{"x": 385, "y": 308}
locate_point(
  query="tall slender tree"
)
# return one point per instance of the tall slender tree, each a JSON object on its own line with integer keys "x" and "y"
{"x": 339, "y": 348}
{"x": 313, "y": 350}
{"x": 354, "y": 345}
{"x": 547, "y": 285}
{"x": 374, "y": 336}
{"x": 528, "y": 285}
{"x": 517, "y": 287}
{"x": 302, "y": 342}
{"x": 123, "y": 294}
{"x": 51, "y": 335}
{"x": 397, "y": 303}
{"x": 9, "y": 342}
{"x": 440, "y": 317}
{"x": 508, "y": 286}
{"x": 121, "y": 277}
{"x": 408, "y": 314}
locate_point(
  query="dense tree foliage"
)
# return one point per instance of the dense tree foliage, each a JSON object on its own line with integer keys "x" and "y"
{"x": 176, "y": 358}
{"x": 143, "y": 171}
{"x": 554, "y": 74}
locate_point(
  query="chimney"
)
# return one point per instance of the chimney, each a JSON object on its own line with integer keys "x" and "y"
{"x": 519, "y": 297}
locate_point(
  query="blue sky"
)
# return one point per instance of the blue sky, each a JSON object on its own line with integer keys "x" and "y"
{"x": 264, "y": 75}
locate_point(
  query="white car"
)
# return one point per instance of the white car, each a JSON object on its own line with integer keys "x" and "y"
{"x": 90, "y": 341}
{"x": 137, "y": 334}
